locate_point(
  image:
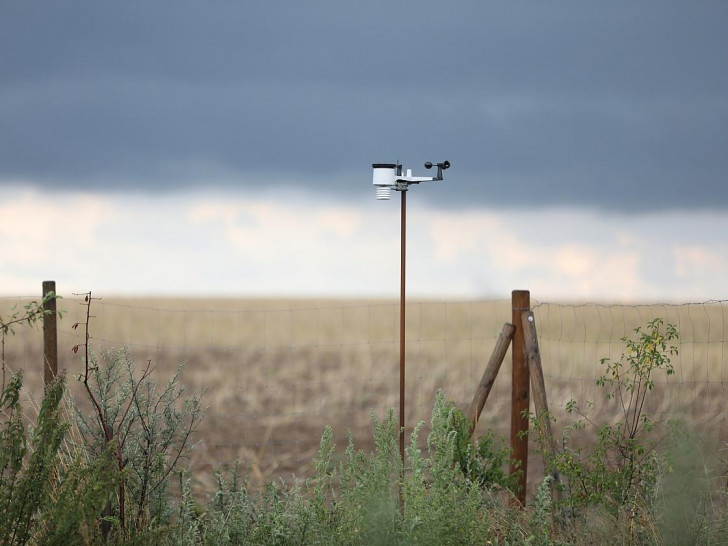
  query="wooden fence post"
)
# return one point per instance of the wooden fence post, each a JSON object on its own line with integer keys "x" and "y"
{"x": 50, "y": 335}
{"x": 543, "y": 417}
{"x": 520, "y": 394}
{"x": 489, "y": 375}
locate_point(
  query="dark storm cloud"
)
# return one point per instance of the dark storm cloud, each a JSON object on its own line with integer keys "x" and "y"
{"x": 621, "y": 105}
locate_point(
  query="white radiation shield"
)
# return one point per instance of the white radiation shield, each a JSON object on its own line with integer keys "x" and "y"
{"x": 384, "y": 179}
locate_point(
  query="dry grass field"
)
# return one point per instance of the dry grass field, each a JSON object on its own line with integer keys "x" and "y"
{"x": 275, "y": 372}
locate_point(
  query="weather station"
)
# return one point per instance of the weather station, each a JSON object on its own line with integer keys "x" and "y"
{"x": 388, "y": 177}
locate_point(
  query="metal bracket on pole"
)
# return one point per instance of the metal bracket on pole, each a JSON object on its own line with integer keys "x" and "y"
{"x": 388, "y": 177}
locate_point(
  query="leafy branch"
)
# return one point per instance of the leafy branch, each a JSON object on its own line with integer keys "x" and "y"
{"x": 29, "y": 315}
{"x": 623, "y": 466}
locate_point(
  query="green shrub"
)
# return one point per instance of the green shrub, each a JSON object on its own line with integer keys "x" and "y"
{"x": 27, "y": 465}
{"x": 79, "y": 492}
{"x": 230, "y": 512}
{"x": 442, "y": 505}
{"x": 620, "y": 473}
{"x": 483, "y": 462}
{"x": 368, "y": 510}
{"x": 47, "y": 496}
{"x": 151, "y": 428}
{"x": 367, "y": 498}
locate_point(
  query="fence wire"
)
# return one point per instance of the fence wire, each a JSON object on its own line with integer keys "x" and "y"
{"x": 275, "y": 373}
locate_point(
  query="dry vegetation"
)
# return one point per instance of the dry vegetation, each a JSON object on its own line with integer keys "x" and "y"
{"x": 275, "y": 372}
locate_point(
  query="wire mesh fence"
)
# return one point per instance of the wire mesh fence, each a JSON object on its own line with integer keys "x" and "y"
{"x": 275, "y": 372}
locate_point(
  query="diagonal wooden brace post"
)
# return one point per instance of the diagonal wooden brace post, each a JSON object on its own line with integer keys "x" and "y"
{"x": 489, "y": 375}
{"x": 538, "y": 387}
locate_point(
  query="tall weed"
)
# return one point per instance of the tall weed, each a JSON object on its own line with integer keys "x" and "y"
{"x": 27, "y": 464}
{"x": 47, "y": 496}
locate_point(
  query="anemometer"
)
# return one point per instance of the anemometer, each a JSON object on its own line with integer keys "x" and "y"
{"x": 388, "y": 177}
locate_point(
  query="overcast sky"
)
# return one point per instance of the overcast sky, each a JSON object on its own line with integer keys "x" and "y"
{"x": 205, "y": 120}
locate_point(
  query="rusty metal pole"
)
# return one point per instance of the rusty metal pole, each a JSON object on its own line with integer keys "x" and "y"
{"x": 403, "y": 242}
{"x": 50, "y": 335}
{"x": 388, "y": 177}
